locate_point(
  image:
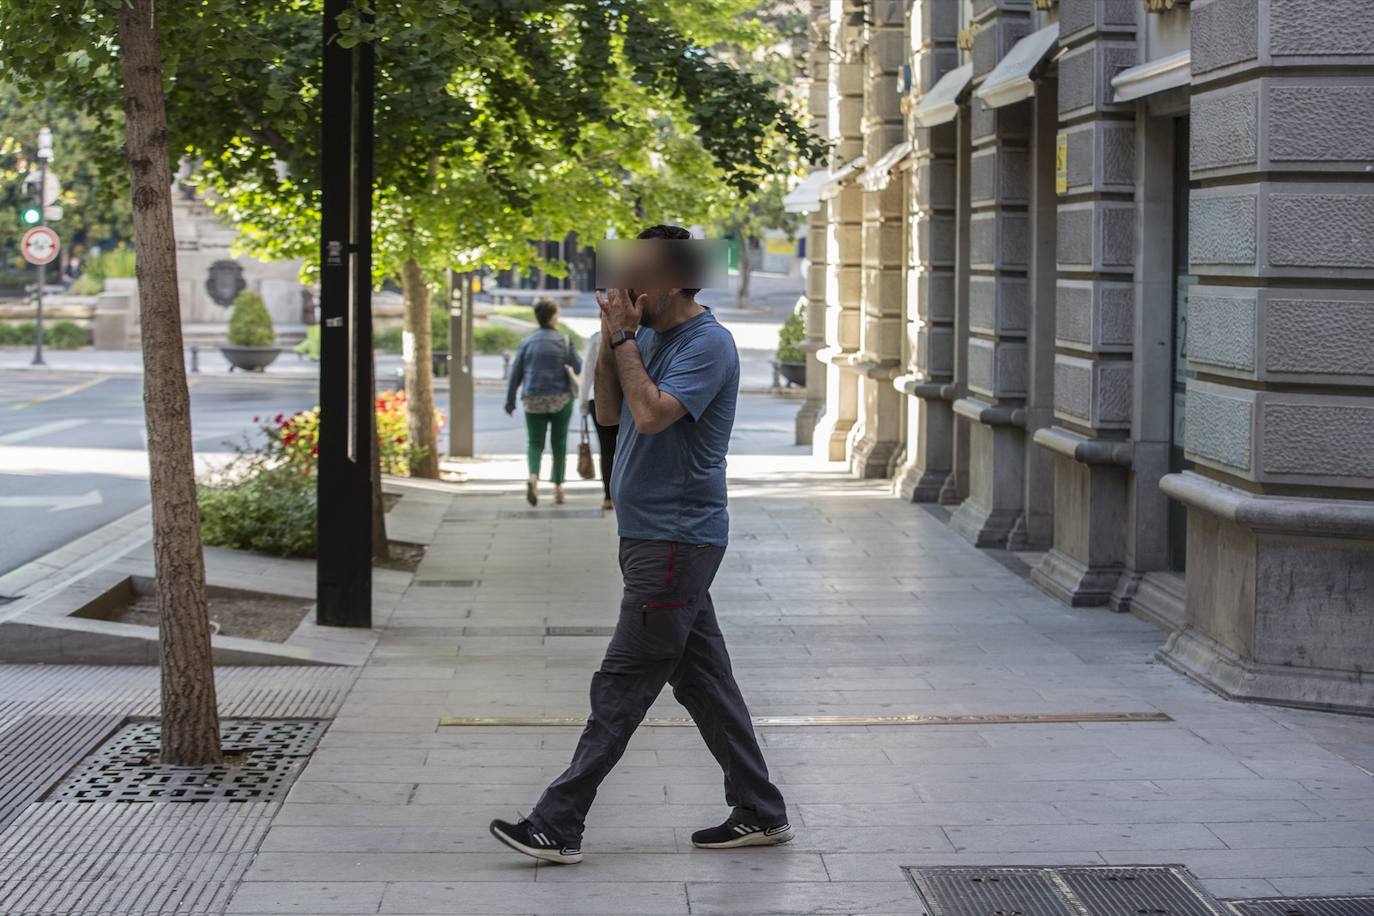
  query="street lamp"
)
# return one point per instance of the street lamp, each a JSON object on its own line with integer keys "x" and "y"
{"x": 44, "y": 157}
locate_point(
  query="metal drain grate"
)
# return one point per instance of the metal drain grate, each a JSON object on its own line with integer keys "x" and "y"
{"x": 125, "y": 769}
{"x": 578, "y": 631}
{"x": 447, "y": 583}
{"x": 1151, "y": 890}
{"x": 1096, "y": 890}
{"x": 967, "y": 890}
{"x": 1306, "y": 906}
{"x": 550, "y": 513}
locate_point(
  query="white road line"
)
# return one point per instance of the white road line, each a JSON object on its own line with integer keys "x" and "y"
{"x": 53, "y": 503}
{"x": 43, "y": 429}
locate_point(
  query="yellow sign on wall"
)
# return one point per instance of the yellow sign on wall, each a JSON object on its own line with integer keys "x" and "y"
{"x": 1061, "y": 164}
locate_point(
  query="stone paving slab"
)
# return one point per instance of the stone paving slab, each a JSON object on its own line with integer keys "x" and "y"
{"x": 835, "y": 599}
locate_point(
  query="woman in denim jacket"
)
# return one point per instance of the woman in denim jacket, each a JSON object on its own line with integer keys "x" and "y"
{"x": 545, "y": 363}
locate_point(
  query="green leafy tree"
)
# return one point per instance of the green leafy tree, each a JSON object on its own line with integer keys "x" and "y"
{"x": 95, "y": 202}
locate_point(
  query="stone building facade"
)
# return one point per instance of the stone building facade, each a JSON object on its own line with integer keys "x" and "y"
{"x": 1098, "y": 276}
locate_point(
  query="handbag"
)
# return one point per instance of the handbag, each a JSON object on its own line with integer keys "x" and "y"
{"x": 585, "y": 468}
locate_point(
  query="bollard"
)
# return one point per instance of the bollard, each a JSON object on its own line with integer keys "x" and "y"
{"x": 777, "y": 382}
{"x": 505, "y": 365}
{"x": 195, "y": 357}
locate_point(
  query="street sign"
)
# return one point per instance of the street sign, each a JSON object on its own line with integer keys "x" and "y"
{"x": 40, "y": 245}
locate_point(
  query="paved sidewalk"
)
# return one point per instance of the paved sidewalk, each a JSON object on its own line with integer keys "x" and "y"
{"x": 836, "y": 599}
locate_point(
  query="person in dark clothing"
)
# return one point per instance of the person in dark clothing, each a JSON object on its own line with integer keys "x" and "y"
{"x": 605, "y": 435}
{"x": 668, "y": 373}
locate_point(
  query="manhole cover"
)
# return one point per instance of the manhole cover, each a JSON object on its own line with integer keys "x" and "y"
{"x": 1152, "y": 890}
{"x": 266, "y": 756}
{"x": 1306, "y": 906}
{"x": 550, "y": 513}
{"x": 446, "y": 583}
{"x": 967, "y": 890}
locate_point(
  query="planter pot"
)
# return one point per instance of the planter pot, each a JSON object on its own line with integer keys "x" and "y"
{"x": 793, "y": 373}
{"x": 249, "y": 359}
{"x": 439, "y": 360}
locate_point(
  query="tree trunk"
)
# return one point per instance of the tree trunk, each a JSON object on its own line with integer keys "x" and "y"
{"x": 419, "y": 371}
{"x": 190, "y": 716}
{"x": 381, "y": 547}
{"x": 746, "y": 267}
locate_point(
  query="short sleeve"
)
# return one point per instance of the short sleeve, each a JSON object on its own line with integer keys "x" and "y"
{"x": 699, "y": 370}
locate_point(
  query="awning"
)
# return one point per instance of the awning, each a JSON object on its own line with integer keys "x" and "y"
{"x": 876, "y": 177}
{"x": 1013, "y": 79}
{"x": 941, "y": 103}
{"x": 843, "y": 174}
{"x": 1153, "y": 76}
{"x": 806, "y": 196}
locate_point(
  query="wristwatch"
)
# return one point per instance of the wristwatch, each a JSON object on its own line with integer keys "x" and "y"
{"x": 619, "y": 337}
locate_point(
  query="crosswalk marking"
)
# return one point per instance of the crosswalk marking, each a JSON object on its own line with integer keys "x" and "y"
{"x": 43, "y": 429}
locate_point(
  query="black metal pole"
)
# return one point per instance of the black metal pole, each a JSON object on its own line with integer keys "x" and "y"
{"x": 343, "y": 567}
{"x": 42, "y": 268}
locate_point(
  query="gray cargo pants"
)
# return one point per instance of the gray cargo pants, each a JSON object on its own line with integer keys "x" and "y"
{"x": 667, "y": 633}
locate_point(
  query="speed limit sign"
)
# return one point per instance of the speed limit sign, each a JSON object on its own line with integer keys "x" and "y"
{"x": 40, "y": 245}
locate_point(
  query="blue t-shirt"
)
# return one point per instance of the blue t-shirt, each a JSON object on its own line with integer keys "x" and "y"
{"x": 670, "y": 486}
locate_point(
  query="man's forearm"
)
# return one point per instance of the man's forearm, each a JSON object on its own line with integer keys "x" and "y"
{"x": 647, "y": 404}
{"x": 607, "y": 395}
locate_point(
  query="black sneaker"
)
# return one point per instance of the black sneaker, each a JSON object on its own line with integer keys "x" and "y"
{"x": 524, "y": 837}
{"x": 735, "y": 833}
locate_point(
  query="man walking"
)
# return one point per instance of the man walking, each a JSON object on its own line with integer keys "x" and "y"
{"x": 668, "y": 374}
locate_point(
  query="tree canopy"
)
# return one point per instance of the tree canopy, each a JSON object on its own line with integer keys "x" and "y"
{"x": 498, "y": 121}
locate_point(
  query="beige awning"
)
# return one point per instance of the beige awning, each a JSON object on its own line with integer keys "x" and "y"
{"x": 941, "y": 103}
{"x": 841, "y": 175}
{"x": 875, "y": 177}
{"x": 1158, "y": 75}
{"x": 806, "y": 196}
{"x": 1013, "y": 79}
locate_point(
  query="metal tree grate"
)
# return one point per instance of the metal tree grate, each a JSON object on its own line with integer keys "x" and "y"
{"x": 1097, "y": 890}
{"x": 266, "y": 756}
{"x": 1305, "y": 906}
{"x": 967, "y": 890}
{"x": 1150, "y": 890}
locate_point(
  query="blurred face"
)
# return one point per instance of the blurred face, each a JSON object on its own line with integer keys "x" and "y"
{"x": 645, "y": 274}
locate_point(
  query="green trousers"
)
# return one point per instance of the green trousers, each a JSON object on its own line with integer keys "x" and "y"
{"x": 537, "y": 425}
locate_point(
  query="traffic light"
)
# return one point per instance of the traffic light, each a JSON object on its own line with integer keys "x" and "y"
{"x": 30, "y": 216}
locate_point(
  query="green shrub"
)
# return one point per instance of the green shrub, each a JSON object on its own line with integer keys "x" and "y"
{"x": 18, "y": 334}
{"x": 387, "y": 340}
{"x": 438, "y": 329}
{"x": 496, "y": 338}
{"x": 66, "y": 335}
{"x": 88, "y": 284}
{"x": 310, "y": 347}
{"x": 249, "y": 323}
{"x": 118, "y": 262}
{"x": 271, "y": 511}
{"x": 792, "y": 332}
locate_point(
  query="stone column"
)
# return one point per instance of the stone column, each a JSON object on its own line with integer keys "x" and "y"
{"x": 843, "y": 234}
{"x": 930, "y": 288}
{"x": 876, "y": 436}
{"x": 818, "y": 70}
{"x": 998, "y": 289}
{"x": 1280, "y": 418}
{"x": 1094, "y": 308}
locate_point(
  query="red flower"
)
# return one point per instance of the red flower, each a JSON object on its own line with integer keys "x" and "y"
{"x": 277, "y": 419}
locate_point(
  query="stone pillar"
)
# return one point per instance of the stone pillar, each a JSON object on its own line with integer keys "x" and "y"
{"x": 843, "y": 234}
{"x": 876, "y": 436}
{"x": 1280, "y": 418}
{"x": 932, "y": 202}
{"x": 999, "y": 230}
{"x": 818, "y": 70}
{"x": 1094, "y": 310}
